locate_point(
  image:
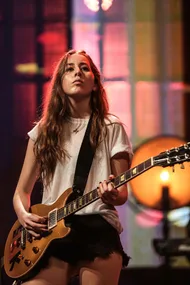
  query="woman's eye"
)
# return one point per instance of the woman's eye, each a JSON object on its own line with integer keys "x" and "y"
{"x": 85, "y": 68}
{"x": 69, "y": 69}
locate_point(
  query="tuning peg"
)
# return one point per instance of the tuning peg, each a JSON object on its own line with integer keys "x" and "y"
{"x": 173, "y": 168}
{"x": 182, "y": 166}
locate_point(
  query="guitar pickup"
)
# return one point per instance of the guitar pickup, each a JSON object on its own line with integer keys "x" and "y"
{"x": 52, "y": 219}
{"x": 23, "y": 238}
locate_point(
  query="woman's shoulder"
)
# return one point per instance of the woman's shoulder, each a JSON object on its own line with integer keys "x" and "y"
{"x": 33, "y": 133}
{"x": 112, "y": 120}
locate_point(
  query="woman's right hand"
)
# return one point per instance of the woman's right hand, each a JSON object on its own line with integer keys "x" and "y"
{"x": 34, "y": 224}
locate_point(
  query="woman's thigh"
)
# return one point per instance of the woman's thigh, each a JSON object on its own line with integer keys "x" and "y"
{"x": 57, "y": 272}
{"x": 102, "y": 271}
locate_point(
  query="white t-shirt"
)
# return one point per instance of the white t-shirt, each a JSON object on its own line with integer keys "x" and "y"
{"x": 115, "y": 141}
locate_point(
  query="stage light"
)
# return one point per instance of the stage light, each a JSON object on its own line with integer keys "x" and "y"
{"x": 28, "y": 68}
{"x": 164, "y": 176}
{"x": 106, "y": 4}
{"x": 147, "y": 187}
{"x": 94, "y": 5}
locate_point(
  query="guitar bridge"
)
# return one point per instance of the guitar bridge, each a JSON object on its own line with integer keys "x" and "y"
{"x": 52, "y": 219}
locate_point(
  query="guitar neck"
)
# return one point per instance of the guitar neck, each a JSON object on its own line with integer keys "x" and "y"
{"x": 92, "y": 196}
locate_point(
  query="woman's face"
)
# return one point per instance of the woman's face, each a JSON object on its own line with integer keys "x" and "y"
{"x": 78, "y": 78}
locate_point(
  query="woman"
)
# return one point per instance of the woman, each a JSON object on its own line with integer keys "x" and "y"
{"x": 93, "y": 248}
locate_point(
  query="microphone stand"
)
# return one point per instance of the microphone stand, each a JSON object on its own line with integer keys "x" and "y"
{"x": 165, "y": 222}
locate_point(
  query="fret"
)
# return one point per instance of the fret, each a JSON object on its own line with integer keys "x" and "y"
{"x": 148, "y": 163}
{"x": 80, "y": 202}
{"x": 87, "y": 198}
{"x": 74, "y": 205}
{"x": 93, "y": 194}
{"x": 69, "y": 208}
{"x": 134, "y": 171}
{"x": 122, "y": 178}
{"x": 116, "y": 181}
{"x": 96, "y": 195}
{"x": 90, "y": 196}
{"x": 65, "y": 211}
{"x": 141, "y": 167}
{"x": 128, "y": 175}
{"x": 60, "y": 214}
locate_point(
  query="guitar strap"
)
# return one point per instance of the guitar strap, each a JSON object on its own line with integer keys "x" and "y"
{"x": 84, "y": 162}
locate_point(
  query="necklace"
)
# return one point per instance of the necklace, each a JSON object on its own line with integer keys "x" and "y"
{"x": 76, "y": 130}
{"x": 80, "y": 125}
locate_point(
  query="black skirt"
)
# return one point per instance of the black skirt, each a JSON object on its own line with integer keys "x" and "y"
{"x": 91, "y": 236}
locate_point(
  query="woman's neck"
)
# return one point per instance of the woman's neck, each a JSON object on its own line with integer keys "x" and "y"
{"x": 80, "y": 109}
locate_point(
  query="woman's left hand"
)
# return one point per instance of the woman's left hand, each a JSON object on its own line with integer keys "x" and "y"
{"x": 107, "y": 192}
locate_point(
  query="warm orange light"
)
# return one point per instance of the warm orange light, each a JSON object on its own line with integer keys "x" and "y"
{"x": 164, "y": 177}
{"x": 30, "y": 68}
{"x": 147, "y": 187}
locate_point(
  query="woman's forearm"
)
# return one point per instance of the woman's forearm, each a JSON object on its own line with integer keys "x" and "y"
{"x": 122, "y": 196}
{"x": 21, "y": 202}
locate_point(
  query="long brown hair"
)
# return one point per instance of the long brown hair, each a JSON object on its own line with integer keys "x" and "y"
{"x": 49, "y": 146}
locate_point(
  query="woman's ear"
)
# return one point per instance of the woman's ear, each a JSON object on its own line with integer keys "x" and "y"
{"x": 94, "y": 88}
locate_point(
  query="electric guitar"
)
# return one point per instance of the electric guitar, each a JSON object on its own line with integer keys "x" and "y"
{"x": 22, "y": 251}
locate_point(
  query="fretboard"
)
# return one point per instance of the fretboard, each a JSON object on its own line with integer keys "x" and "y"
{"x": 92, "y": 196}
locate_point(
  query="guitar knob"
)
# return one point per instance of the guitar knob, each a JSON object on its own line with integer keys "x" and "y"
{"x": 20, "y": 256}
{"x": 35, "y": 249}
{"x": 27, "y": 262}
{"x": 182, "y": 166}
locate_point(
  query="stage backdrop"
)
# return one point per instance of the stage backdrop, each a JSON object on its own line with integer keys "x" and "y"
{"x": 138, "y": 47}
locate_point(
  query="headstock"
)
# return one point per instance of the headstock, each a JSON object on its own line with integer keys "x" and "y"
{"x": 176, "y": 155}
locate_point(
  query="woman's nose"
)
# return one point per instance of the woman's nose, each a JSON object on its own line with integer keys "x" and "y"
{"x": 77, "y": 71}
